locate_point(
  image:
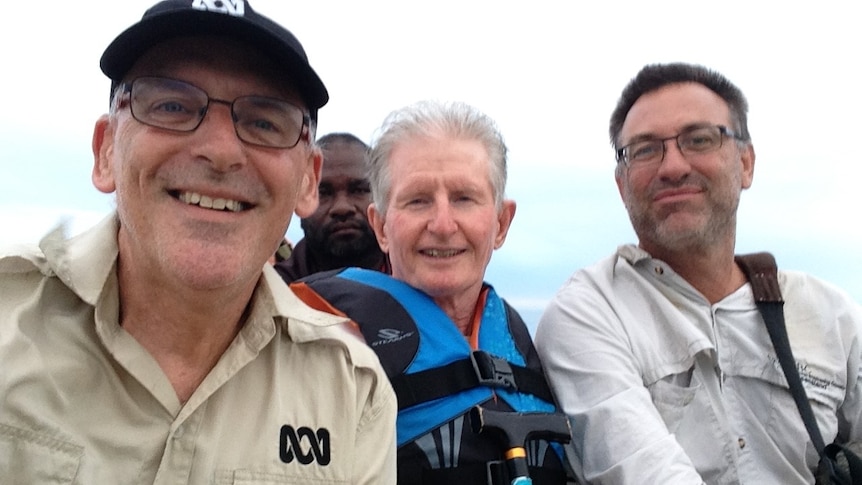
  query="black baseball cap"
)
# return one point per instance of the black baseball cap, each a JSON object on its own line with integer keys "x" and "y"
{"x": 227, "y": 18}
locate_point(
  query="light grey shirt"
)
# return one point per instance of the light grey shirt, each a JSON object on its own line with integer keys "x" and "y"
{"x": 665, "y": 388}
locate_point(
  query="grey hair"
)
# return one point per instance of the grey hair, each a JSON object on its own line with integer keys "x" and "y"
{"x": 433, "y": 119}
{"x": 116, "y": 97}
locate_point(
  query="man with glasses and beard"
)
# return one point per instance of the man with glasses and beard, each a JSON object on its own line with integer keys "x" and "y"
{"x": 337, "y": 235}
{"x": 659, "y": 352}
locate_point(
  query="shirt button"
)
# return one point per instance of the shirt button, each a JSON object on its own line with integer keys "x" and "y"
{"x": 741, "y": 443}
{"x": 659, "y": 270}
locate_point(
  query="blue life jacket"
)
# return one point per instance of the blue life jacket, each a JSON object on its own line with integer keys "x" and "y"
{"x": 436, "y": 375}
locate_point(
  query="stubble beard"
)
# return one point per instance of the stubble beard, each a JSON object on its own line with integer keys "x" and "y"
{"x": 698, "y": 231}
{"x": 350, "y": 248}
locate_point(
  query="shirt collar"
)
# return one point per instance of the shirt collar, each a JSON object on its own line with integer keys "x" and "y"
{"x": 84, "y": 262}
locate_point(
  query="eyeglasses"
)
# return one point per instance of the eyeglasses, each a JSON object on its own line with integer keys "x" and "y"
{"x": 179, "y": 106}
{"x": 696, "y": 141}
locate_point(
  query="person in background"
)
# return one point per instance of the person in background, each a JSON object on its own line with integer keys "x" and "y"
{"x": 438, "y": 178}
{"x": 148, "y": 349}
{"x": 337, "y": 235}
{"x": 659, "y": 352}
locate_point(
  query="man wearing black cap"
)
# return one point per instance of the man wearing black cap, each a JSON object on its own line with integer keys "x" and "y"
{"x": 152, "y": 348}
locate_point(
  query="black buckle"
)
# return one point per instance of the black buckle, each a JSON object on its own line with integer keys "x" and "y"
{"x": 496, "y": 472}
{"x": 492, "y": 371}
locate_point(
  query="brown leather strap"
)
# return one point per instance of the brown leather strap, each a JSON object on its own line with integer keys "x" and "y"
{"x": 762, "y": 272}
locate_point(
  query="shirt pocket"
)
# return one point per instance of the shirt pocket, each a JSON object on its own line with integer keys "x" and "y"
{"x": 824, "y": 393}
{"x": 259, "y": 477}
{"x": 760, "y": 382}
{"x": 672, "y": 396}
{"x": 28, "y": 457}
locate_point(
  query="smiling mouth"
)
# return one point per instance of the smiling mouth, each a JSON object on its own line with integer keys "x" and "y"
{"x": 677, "y": 192}
{"x": 441, "y": 253}
{"x": 194, "y": 198}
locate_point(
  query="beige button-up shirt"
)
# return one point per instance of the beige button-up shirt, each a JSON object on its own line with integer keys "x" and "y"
{"x": 296, "y": 398}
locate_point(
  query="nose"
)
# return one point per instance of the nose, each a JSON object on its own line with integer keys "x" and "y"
{"x": 216, "y": 139}
{"x": 342, "y": 205}
{"x": 674, "y": 165}
{"x": 442, "y": 219}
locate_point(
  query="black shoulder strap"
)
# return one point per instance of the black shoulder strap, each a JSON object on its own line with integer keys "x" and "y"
{"x": 762, "y": 272}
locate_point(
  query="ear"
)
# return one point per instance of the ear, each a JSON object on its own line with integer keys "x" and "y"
{"x": 103, "y": 151}
{"x": 504, "y": 222}
{"x": 376, "y": 219}
{"x": 306, "y": 200}
{"x": 747, "y": 160}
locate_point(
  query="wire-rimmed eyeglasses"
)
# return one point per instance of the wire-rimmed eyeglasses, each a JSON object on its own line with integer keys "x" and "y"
{"x": 180, "y": 106}
{"x": 694, "y": 141}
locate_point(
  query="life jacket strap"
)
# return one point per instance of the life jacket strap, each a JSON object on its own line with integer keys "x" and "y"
{"x": 491, "y": 473}
{"x": 480, "y": 369}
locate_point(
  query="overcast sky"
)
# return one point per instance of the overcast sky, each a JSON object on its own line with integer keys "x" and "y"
{"x": 548, "y": 72}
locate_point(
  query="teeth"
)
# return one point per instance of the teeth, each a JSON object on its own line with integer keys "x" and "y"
{"x": 441, "y": 253}
{"x": 193, "y": 198}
